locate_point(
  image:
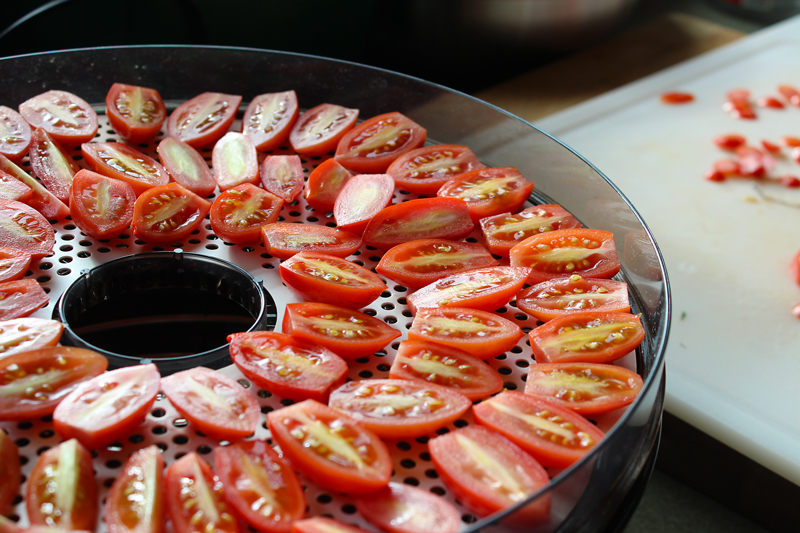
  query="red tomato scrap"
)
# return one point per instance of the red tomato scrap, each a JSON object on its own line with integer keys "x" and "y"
{"x": 269, "y": 119}
{"x": 788, "y": 180}
{"x": 322, "y": 524}
{"x": 730, "y": 141}
{"x": 13, "y": 263}
{"x": 13, "y": 189}
{"x": 770, "y": 147}
{"x": 20, "y": 298}
{"x": 136, "y": 113}
{"x": 10, "y": 472}
{"x": 136, "y": 501}
{"x": 401, "y": 508}
{"x": 677, "y": 97}
{"x": 15, "y": 134}
{"x": 28, "y": 333}
{"x": 738, "y": 104}
{"x": 790, "y": 93}
{"x": 770, "y": 102}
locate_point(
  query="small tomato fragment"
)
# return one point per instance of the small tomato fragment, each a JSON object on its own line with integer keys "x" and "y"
{"x": 504, "y": 231}
{"x": 730, "y": 141}
{"x": 677, "y": 97}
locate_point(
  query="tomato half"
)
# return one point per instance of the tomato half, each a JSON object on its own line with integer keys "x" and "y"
{"x": 361, "y": 198}
{"x": 489, "y": 191}
{"x": 136, "y": 113}
{"x": 425, "y": 169}
{"x": 790, "y": 93}
{"x": 284, "y": 239}
{"x": 401, "y": 508}
{"x": 319, "y": 130}
{"x": 52, "y": 165}
{"x": 324, "y": 184}
{"x": 20, "y": 298}
{"x": 108, "y": 407}
{"x": 119, "y": 161}
{"x": 322, "y": 524}
{"x": 282, "y": 175}
{"x": 217, "y": 405}
{"x": 13, "y": 263}
{"x": 24, "y": 229}
{"x": 68, "y": 118}
{"x": 370, "y": 147}
{"x": 289, "y": 367}
{"x": 168, "y": 213}
{"x": 41, "y": 199}
{"x": 573, "y": 294}
{"x": 13, "y": 189}
{"x": 62, "y": 489}
{"x": 504, "y": 231}
{"x": 324, "y": 278}
{"x": 234, "y": 160}
{"x": 100, "y": 206}
{"x": 350, "y": 334}
{"x": 330, "y": 448}
{"x": 269, "y": 118}
{"x": 186, "y": 166}
{"x": 10, "y": 472}
{"x": 260, "y": 485}
{"x": 28, "y": 333}
{"x": 136, "y": 501}
{"x": 794, "y": 268}
{"x": 203, "y": 119}
{"x": 15, "y": 134}
{"x": 238, "y": 214}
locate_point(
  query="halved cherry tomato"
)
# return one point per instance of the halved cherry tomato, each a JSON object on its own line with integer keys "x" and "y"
{"x": 282, "y": 175}
{"x": 100, "y": 206}
{"x": 260, "y": 485}
{"x": 370, "y": 147}
{"x": 444, "y": 365}
{"x": 770, "y": 101}
{"x": 753, "y": 162}
{"x": 109, "y": 407}
{"x": 424, "y": 170}
{"x": 10, "y": 472}
{"x": 399, "y": 408}
{"x": 573, "y": 294}
{"x": 135, "y": 113}
{"x": 790, "y": 93}
{"x": 423, "y": 218}
{"x": 234, "y": 160}
{"x": 136, "y": 501}
{"x": 269, "y": 119}
{"x": 217, "y": 405}
{"x": 13, "y": 189}
{"x": 401, "y": 508}
{"x": 504, "y": 231}
{"x": 67, "y": 118}
{"x": 322, "y": 524}
{"x": 480, "y": 288}
{"x": 52, "y": 165}
{"x": 791, "y": 141}
{"x": 350, "y": 334}
{"x": 586, "y": 388}
{"x": 28, "y": 333}
{"x": 284, "y": 239}
{"x": 8, "y": 526}
{"x": 590, "y": 253}
{"x": 119, "y": 161}
{"x": 238, "y": 214}
{"x": 738, "y": 104}
{"x": 186, "y": 166}
{"x": 330, "y": 448}
{"x": 730, "y": 141}
{"x": 788, "y": 180}
{"x": 487, "y": 473}
{"x": 13, "y": 263}
{"x": 168, "y": 213}
{"x": 794, "y": 268}
{"x": 25, "y": 229}
{"x": 317, "y": 277}
{"x": 320, "y": 129}
{"x": 587, "y": 337}
{"x": 289, "y": 367}
{"x": 41, "y": 199}
{"x": 62, "y": 489}
{"x": 15, "y": 134}
{"x": 202, "y": 120}
{"x": 489, "y": 191}
{"x": 324, "y": 184}
{"x": 32, "y": 383}
{"x": 361, "y": 198}
{"x": 20, "y": 298}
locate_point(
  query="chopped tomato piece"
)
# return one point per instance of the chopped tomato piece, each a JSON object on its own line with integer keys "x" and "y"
{"x": 42, "y": 200}
{"x": 489, "y": 191}
{"x": 282, "y": 175}
{"x": 790, "y": 141}
{"x": 401, "y": 508}
{"x": 13, "y": 189}
{"x": 361, "y": 198}
{"x": 504, "y": 231}
{"x": 52, "y": 165}
{"x": 730, "y": 141}
{"x": 186, "y": 166}
{"x": 202, "y": 120}
{"x": 25, "y": 229}
{"x": 66, "y": 117}
{"x": 424, "y": 170}
{"x": 28, "y": 333}
{"x": 321, "y": 524}
{"x": 15, "y": 134}
{"x": 120, "y": 161}
{"x": 13, "y": 263}
{"x": 234, "y": 160}
{"x": 136, "y": 501}
{"x": 370, "y": 147}
{"x": 770, "y": 147}
{"x": 136, "y": 113}
{"x": 324, "y": 184}
{"x": 284, "y": 239}
{"x": 168, "y": 213}
{"x": 573, "y": 294}
{"x": 100, "y": 206}
{"x": 738, "y": 104}
{"x": 677, "y": 97}
{"x": 319, "y": 130}
{"x": 790, "y": 93}
{"x": 20, "y": 298}
{"x": 269, "y": 119}
{"x": 238, "y": 214}
{"x": 10, "y": 472}
{"x": 790, "y": 181}
{"x": 769, "y": 101}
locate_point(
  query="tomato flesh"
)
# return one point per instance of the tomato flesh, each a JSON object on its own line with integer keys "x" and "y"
{"x": 40, "y": 199}
{"x": 135, "y": 503}
{"x": 51, "y": 164}
{"x": 100, "y": 206}
{"x": 361, "y": 198}
{"x": 20, "y": 298}
{"x": 13, "y": 263}
{"x": 234, "y": 160}
{"x": 136, "y": 113}
{"x": 13, "y": 189}
{"x": 15, "y": 134}
{"x": 284, "y": 239}
{"x": 401, "y": 508}
{"x": 370, "y": 147}
{"x": 320, "y": 129}
{"x": 186, "y": 166}
{"x": 24, "y": 229}
{"x": 168, "y": 213}
{"x": 504, "y": 231}
{"x": 322, "y": 524}
{"x": 269, "y": 119}
{"x": 238, "y": 214}
{"x": 282, "y": 175}
{"x": 10, "y": 472}
{"x": 119, "y": 161}
{"x": 202, "y": 120}
{"x": 324, "y": 185}
{"x": 573, "y": 294}
{"x": 489, "y": 191}
{"x": 424, "y": 170}
{"x": 28, "y": 333}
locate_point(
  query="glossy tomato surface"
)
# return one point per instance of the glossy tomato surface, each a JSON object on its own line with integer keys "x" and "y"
{"x": 401, "y": 508}
{"x": 202, "y": 120}
{"x": 573, "y": 294}
{"x": 68, "y": 118}
{"x": 370, "y": 147}
{"x": 15, "y": 134}
{"x": 120, "y": 161}
{"x": 10, "y": 472}
{"x": 489, "y": 191}
{"x": 505, "y": 230}
{"x": 13, "y": 189}
{"x": 238, "y": 214}
{"x": 320, "y": 129}
{"x": 324, "y": 185}
{"x": 323, "y": 524}
{"x": 284, "y": 239}
{"x": 136, "y": 113}
{"x": 234, "y": 160}
{"x": 425, "y": 169}
{"x": 13, "y": 263}
{"x": 136, "y": 501}
{"x": 269, "y": 118}
{"x": 186, "y": 166}
{"x": 28, "y": 333}
{"x": 40, "y": 199}
{"x": 51, "y": 164}
{"x": 361, "y": 198}
{"x": 167, "y": 214}
{"x": 282, "y": 175}
{"x": 20, "y": 298}
{"x": 100, "y": 206}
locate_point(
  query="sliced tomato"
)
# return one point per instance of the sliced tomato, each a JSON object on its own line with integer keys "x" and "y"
{"x": 730, "y": 141}
{"x": 402, "y": 508}
{"x": 573, "y": 294}
{"x": 444, "y": 365}
{"x": 217, "y": 405}
{"x": 322, "y": 524}
{"x": 13, "y": 189}
{"x": 289, "y": 367}
{"x": 136, "y": 113}
{"x": 790, "y": 93}
{"x": 41, "y": 199}
{"x": 587, "y": 337}
{"x": 330, "y": 448}
{"x": 423, "y": 218}
{"x": 119, "y": 161}
{"x": 15, "y": 134}
{"x": 24, "y": 229}
{"x": 480, "y": 288}
{"x": 62, "y": 489}
{"x": 489, "y": 191}
{"x": 269, "y": 118}
{"x": 317, "y": 277}
{"x": 168, "y": 213}
{"x": 28, "y": 333}
{"x": 238, "y": 214}
{"x": 425, "y": 169}
{"x": 350, "y": 334}
{"x": 202, "y": 120}
{"x": 109, "y": 407}
{"x": 13, "y": 263}
{"x": 504, "y": 231}
{"x": 8, "y": 526}
{"x": 20, "y": 298}
{"x": 136, "y": 501}
{"x": 319, "y": 130}
{"x": 234, "y": 160}
{"x": 324, "y": 184}
{"x": 738, "y": 104}
{"x": 52, "y": 165}
{"x": 370, "y": 147}
{"x": 260, "y": 485}
{"x": 282, "y": 175}
{"x": 677, "y": 97}
{"x": 361, "y": 198}
{"x": 66, "y": 117}
{"x": 10, "y": 472}
{"x": 284, "y": 239}
{"x": 100, "y": 206}
{"x": 186, "y": 166}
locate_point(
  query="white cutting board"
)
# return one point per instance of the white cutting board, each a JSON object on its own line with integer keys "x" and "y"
{"x": 733, "y": 359}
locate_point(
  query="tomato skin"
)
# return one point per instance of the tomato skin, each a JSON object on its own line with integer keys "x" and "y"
{"x": 425, "y": 169}
{"x": 790, "y": 93}
{"x": 136, "y": 501}
{"x": 282, "y": 175}
{"x": 52, "y": 165}
{"x": 234, "y": 160}
{"x": 269, "y": 118}
{"x": 155, "y": 221}
{"x": 489, "y": 191}
{"x": 238, "y": 214}
{"x": 26, "y": 229}
{"x": 41, "y": 199}
{"x": 284, "y": 239}
{"x": 25, "y": 334}
{"x": 66, "y": 117}
{"x": 10, "y": 472}
{"x": 794, "y": 268}
{"x": 20, "y": 298}
{"x": 136, "y": 113}
{"x": 573, "y": 294}
{"x": 100, "y": 206}
{"x": 120, "y": 161}
{"x": 13, "y": 189}
{"x": 202, "y": 120}
{"x": 504, "y": 231}
{"x": 361, "y": 198}
{"x": 324, "y": 184}
{"x": 13, "y": 263}
{"x": 322, "y": 524}
{"x": 186, "y": 166}
{"x": 15, "y": 134}
{"x": 370, "y": 147}
{"x": 401, "y": 508}
{"x": 677, "y": 97}
{"x": 319, "y": 130}
{"x": 289, "y": 367}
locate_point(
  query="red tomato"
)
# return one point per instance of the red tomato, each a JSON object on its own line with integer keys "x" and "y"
{"x": 444, "y": 365}
{"x": 489, "y": 191}
{"x": 350, "y": 334}
{"x": 135, "y": 503}
{"x": 122, "y": 162}
{"x": 100, "y": 206}
{"x": 424, "y": 170}
{"x": 330, "y": 448}
{"x": 217, "y": 405}
{"x": 790, "y": 93}
{"x": 62, "y": 489}
{"x": 203, "y": 119}
{"x": 234, "y": 160}
{"x": 770, "y": 147}
{"x": 788, "y": 180}
{"x": 738, "y": 104}
{"x": 13, "y": 189}
{"x": 770, "y": 101}
{"x": 135, "y": 113}
{"x": 361, "y": 198}
{"x": 260, "y": 485}
{"x": 370, "y": 147}
{"x": 28, "y": 333}
{"x": 167, "y": 214}
{"x": 13, "y": 263}
{"x": 487, "y": 473}
{"x": 677, "y": 97}
{"x": 573, "y": 294}
{"x": 480, "y": 288}
{"x": 186, "y": 166}
{"x": 20, "y": 298}
{"x": 317, "y": 277}
{"x": 108, "y": 407}
{"x": 52, "y": 165}
{"x": 15, "y": 134}
{"x": 319, "y": 130}
{"x": 401, "y": 508}
{"x": 269, "y": 118}
{"x": 794, "y": 268}
{"x": 504, "y": 231}
{"x": 25, "y": 229}
{"x": 289, "y": 367}
{"x": 67, "y": 118}
{"x": 589, "y": 253}
{"x": 730, "y": 141}
{"x": 423, "y": 218}
{"x": 26, "y": 393}
{"x": 282, "y": 175}
{"x": 321, "y": 524}
{"x": 41, "y": 199}
{"x": 790, "y": 141}
{"x": 10, "y": 472}
{"x": 753, "y": 162}
{"x": 324, "y": 184}
{"x": 587, "y": 337}
{"x": 585, "y": 388}
{"x": 238, "y": 214}
{"x": 284, "y": 239}
{"x": 420, "y": 262}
